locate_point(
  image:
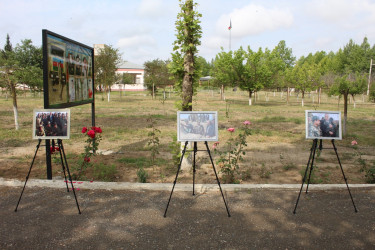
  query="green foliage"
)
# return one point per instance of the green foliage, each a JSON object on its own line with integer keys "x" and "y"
{"x": 142, "y": 175}
{"x": 175, "y": 148}
{"x": 106, "y": 63}
{"x": 184, "y": 66}
{"x": 230, "y": 157}
{"x": 157, "y": 75}
{"x": 372, "y": 93}
{"x": 103, "y": 172}
{"x": 153, "y": 141}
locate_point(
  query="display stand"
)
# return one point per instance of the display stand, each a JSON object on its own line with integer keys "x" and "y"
{"x": 64, "y": 164}
{"x": 311, "y": 166}
{"x": 195, "y": 150}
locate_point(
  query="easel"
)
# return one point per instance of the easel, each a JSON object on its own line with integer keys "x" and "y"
{"x": 312, "y": 158}
{"x": 63, "y": 163}
{"x": 194, "y": 170}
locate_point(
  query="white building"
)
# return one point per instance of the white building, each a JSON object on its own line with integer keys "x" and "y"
{"x": 127, "y": 67}
{"x": 131, "y": 68}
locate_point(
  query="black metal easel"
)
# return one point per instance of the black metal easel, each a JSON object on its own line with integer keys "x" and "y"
{"x": 63, "y": 163}
{"x": 194, "y": 170}
{"x": 312, "y": 158}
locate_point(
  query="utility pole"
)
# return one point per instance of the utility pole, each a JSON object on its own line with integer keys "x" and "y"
{"x": 369, "y": 78}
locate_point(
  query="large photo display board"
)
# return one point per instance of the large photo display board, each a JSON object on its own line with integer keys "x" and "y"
{"x": 323, "y": 125}
{"x": 51, "y": 124}
{"x": 197, "y": 126}
{"x": 68, "y": 72}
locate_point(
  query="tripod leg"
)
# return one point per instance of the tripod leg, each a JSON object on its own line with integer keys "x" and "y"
{"x": 304, "y": 177}
{"x": 343, "y": 174}
{"x": 195, "y": 152}
{"x": 67, "y": 168}
{"x": 217, "y": 178}
{"x": 28, "y": 174}
{"x": 312, "y": 165}
{"x": 63, "y": 168}
{"x": 175, "y": 180}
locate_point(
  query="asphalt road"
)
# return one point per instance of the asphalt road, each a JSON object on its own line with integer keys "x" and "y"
{"x": 47, "y": 218}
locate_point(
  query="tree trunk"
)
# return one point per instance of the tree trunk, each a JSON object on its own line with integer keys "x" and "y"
{"x": 287, "y": 95}
{"x": 320, "y": 95}
{"x": 303, "y": 97}
{"x": 345, "y": 114}
{"x": 250, "y": 94}
{"x": 15, "y": 108}
{"x": 153, "y": 91}
{"x": 108, "y": 94}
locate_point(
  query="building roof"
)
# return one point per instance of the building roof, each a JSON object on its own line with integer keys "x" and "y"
{"x": 130, "y": 65}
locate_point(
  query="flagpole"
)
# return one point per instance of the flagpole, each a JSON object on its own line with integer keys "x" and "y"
{"x": 230, "y": 35}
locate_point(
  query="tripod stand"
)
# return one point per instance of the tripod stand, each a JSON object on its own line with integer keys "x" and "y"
{"x": 194, "y": 170}
{"x": 63, "y": 163}
{"x": 312, "y": 158}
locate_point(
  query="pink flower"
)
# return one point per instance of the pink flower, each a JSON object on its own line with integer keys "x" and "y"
{"x": 354, "y": 142}
{"x": 91, "y": 133}
{"x": 246, "y": 122}
{"x": 84, "y": 129}
{"x": 231, "y": 130}
{"x": 215, "y": 145}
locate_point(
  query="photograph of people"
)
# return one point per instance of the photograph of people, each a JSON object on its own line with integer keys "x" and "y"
{"x": 323, "y": 124}
{"x": 52, "y": 124}
{"x": 195, "y": 126}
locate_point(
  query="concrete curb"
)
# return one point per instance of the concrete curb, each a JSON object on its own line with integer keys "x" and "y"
{"x": 200, "y": 188}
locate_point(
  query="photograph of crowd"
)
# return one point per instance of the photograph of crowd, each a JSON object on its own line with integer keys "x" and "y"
{"x": 197, "y": 126}
{"x": 51, "y": 124}
{"x": 323, "y": 125}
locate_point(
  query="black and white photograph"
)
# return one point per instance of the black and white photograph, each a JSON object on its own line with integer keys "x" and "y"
{"x": 51, "y": 124}
{"x": 323, "y": 124}
{"x": 197, "y": 126}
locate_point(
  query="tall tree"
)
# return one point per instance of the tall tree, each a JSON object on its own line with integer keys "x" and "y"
{"x": 184, "y": 66}
{"x": 106, "y": 63}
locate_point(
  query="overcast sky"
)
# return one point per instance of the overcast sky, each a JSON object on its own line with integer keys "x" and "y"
{"x": 145, "y": 30}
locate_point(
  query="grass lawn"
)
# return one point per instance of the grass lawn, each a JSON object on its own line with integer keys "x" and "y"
{"x": 277, "y": 151}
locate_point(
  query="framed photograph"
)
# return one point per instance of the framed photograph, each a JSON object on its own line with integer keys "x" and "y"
{"x": 323, "y": 125}
{"x": 51, "y": 124}
{"x": 197, "y": 126}
{"x": 68, "y": 72}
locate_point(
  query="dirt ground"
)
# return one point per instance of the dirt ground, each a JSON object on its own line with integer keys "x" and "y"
{"x": 47, "y": 218}
{"x": 280, "y": 163}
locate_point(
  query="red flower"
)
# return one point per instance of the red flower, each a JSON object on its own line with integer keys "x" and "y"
{"x": 246, "y": 122}
{"x": 91, "y": 133}
{"x": 87, "y": 159}
{"x": 98, "y": 130}
{"x": 84, "y": 129}
{"x": 231, "y": 130}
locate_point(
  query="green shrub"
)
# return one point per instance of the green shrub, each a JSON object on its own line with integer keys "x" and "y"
{"x": 142, "y": 175}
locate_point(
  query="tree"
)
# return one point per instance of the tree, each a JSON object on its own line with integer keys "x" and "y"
{"x": 30, "y": 59}
{"x": 157, "y": 75}
{"x": 345, "y": 85}
{"x": 252, "y": 70}
{"x": 184, "y": 66}
{"x": 8, "y": 76}
{"x": 223, "y": 71}
{"x": 106, "y": 63}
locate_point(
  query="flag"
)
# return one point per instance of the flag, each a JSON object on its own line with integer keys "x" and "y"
{"x": 230, "y": 25}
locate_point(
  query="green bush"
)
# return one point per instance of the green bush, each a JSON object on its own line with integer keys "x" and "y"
{"x": 142, "y": 175}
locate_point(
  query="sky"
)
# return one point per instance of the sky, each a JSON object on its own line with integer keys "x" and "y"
{"x": 144, "y": 30}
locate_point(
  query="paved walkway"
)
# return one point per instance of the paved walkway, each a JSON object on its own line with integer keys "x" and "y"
{"x": 131, "y": 217}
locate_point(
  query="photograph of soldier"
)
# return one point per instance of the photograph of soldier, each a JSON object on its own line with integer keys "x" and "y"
{"x": 197, "y": 126}
{"x": 53, "y": 124}
{"x": 323, "y": 124}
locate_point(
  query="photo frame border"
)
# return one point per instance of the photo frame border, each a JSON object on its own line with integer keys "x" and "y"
{"x": 216, "y": 138}
{"x": 50, "y": 137}
{"x": 322, "y": 137}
